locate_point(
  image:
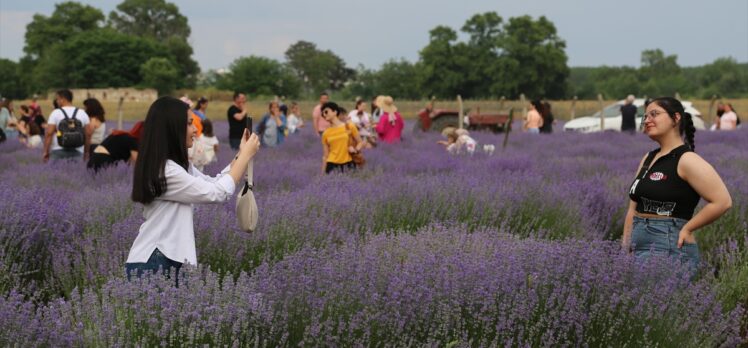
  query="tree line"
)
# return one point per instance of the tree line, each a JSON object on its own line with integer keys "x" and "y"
{"x": 143, "y": 43}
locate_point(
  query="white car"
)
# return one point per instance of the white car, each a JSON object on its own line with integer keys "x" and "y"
{"x": 613, "y": 118}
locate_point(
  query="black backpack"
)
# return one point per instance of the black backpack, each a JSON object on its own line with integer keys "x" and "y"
{"x": 70, "y": 134}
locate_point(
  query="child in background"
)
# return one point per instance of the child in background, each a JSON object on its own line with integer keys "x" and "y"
{"x": 459, "y": 141}
{"x": 205, "y": 149}
{"x": 294, "y": 121}
{"x": 451, "y": 142}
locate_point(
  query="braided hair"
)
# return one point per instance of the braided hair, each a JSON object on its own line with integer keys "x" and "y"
{"x": 685, "y": 126}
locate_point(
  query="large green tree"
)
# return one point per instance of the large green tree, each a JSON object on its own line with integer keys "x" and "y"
{"x": 161, "y": 21}
{"x": 97, "y": 58}
{"x": 261, "y": 76}
{"x": 68, "y": 19}
{"x": 522, "y": 55}
{"x": 157, "y": 19}
{"x": 318, "y": 70}
{"x": 439, "y": 71}
{"x": 536, "y": 54}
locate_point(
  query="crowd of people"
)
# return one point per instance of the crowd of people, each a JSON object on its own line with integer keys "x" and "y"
{"x": 171, "y": 147}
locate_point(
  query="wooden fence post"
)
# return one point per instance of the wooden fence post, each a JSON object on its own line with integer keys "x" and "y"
{"x": 524, "y": 105}
{"x": 119, "y": 112}
{"x": 602, "y": 113}
{"x": 711, "y": 108}
{"x": 573, "y": 110}
{"x": 501, "y": 103}
{"x": 460, "y": 119}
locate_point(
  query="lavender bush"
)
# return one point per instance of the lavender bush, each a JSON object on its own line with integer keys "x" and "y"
{"x": 64, "y": 236}
{"x": 437, "y": 287}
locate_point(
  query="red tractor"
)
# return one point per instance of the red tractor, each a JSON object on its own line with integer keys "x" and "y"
{"x": 430, "y": 119}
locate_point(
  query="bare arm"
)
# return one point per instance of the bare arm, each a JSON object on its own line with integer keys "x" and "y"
{"x": 628, "y": 222}
{"x": 87, "y": 143}
{"x": 708, "y": 184}
{"x": 247, "y": 149}
{"x": 48, "y": 134}
{"x": 133, "y": 156}
{"x": 359, "y": 142}
{"x": 240, "y": 115}
{"x": 315, "y": 117}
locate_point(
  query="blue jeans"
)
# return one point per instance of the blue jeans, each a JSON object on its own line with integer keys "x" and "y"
{"x": 65, "y": 154}
{"x": 157, "y": 261}
{"x": 533, "y": 130}
{"x": 659, "y": 236}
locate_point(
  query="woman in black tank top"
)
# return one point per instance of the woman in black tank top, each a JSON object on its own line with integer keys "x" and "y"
{"x": 669, "y": 184}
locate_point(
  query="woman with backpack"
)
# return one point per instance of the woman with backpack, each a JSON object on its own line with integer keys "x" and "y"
{"x": 168, "y": 185}
{"x": 670, "y": 182}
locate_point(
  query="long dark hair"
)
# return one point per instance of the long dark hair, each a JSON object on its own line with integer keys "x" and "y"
{"x": 164, "y": 138}
{"x": 94, "y": 109}
{"x": 685, "y": 127}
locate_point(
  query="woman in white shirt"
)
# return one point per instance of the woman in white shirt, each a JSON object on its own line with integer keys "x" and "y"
{"x": 294, "y": 120}
{"x": 360, "y": 118}
{"x": 167, "y": 184}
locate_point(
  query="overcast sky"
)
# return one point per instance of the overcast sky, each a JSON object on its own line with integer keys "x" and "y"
{"x": 597, "y": 32}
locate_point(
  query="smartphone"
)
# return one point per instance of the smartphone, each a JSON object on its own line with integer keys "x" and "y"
{"x": 249, "y": 124}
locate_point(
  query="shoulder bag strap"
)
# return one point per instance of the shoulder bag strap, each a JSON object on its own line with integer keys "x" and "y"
{"x": 64, "y": 113}
{"x": 75, "y": 112}
{"x": 250, "y": 173}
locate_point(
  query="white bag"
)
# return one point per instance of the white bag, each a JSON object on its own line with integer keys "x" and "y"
{"x": 246, "y": 206}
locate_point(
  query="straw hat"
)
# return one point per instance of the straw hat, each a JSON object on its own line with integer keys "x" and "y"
{"x": 185, "y": 99}
{"x": 379, "y": 101}
{"x": 388, "y": 105}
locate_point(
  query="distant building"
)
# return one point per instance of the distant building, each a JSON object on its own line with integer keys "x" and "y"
{"x": 113, "y": 94}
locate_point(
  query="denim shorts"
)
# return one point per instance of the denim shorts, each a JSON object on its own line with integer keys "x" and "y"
{"x": 659, "y": 237}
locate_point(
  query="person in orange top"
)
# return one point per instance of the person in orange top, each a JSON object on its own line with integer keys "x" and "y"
{"x": 533, "y": 120}
{"x": 195, "y": 119}
{"x": 336, "y": 144}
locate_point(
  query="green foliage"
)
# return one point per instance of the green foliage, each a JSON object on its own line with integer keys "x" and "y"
{"x": 156, "y": 19}
{"x": 12, "y": 83}
{"x": 660, "y": 74}
{"x": 396, "y": 78}
{"x": 260, "y": 75}
{"x": 319, "y": 70}
{"x": 162, "y": 22}
{"x": 69, "y": 19}
{"x": 97, "y": 58}
{"x": 71, "y": 49}
{"x": 521, "y": 56}
{"x": 160, "y": 74}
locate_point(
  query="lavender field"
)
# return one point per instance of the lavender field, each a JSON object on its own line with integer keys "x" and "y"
{"x": 420, "y": 248}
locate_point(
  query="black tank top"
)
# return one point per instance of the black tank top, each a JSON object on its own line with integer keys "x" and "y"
{"x": 660, "y": 190}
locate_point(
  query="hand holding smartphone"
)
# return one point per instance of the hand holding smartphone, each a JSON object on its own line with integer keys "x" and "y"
{"x": 248, "y": 124}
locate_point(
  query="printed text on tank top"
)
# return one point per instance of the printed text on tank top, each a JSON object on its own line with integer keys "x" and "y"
{"x": 659, "y": 190}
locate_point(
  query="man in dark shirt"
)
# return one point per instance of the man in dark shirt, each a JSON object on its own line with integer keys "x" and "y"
{"x": 628, "y": 114}
{"x": 237, "y": 115}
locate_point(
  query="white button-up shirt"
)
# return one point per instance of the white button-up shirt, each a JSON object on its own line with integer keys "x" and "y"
{"x": 168, "y": 222}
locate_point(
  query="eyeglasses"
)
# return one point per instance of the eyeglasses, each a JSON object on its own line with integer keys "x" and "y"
{"x": 652, "y": 114}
